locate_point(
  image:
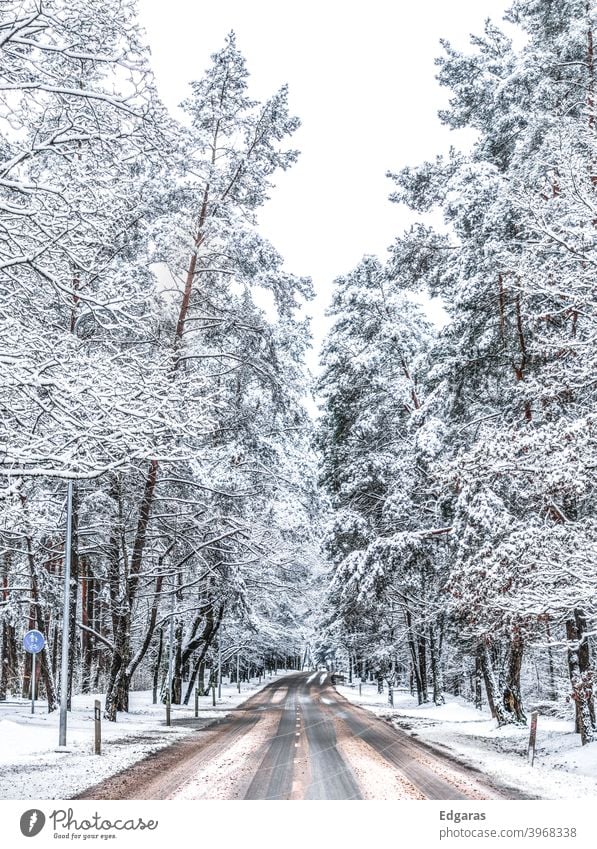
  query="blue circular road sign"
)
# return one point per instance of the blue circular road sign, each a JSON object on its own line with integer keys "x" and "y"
{"x": 33, "y": 642}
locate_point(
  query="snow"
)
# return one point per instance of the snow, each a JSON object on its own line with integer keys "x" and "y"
{"x": 563, "y": 768}
{"x": 32, "y": 768}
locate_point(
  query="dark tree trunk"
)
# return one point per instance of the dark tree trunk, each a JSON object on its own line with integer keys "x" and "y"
{"x": 74, "y": 594}
{"x": 478, "y": 678}
{"x": 201, "y": 678}
{"x": 55, "y": 633}
{"x": 208, "y": 635}
{"x": 157, "y": 665}
{"x": 8, "y": 668}
{"x": 4, "y": 665}
{"x": 584, "y": 660}
{"x": 436, "y": 669}
{"x": 123, "y": 598}
{"x": 38, "y": 622}
{"x": 422, "y": 650}
{"x": 28, "y": 663}
{"x": 177, "y": 665}
{"x": 553, "y": 690}
{"x": 415, "y": 667}
{"x": 9, "y": 674}
{"x": 87, "y": 610}
{"x": 580, "y": 677}
{"x": 512, "y": 697}
{"x": 493, "y": 693}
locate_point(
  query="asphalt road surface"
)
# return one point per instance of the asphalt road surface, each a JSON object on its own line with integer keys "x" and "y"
{"x": 298, "y": 739}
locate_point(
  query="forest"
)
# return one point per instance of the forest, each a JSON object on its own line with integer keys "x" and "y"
{"x": 434, "y": 526}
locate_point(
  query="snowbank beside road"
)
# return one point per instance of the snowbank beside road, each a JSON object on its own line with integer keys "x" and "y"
{"x": 31, "y": 768}
{"x": 563, "y": 768}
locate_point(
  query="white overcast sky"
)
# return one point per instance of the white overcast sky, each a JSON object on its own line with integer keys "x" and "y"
{"x": 361, "y": 78}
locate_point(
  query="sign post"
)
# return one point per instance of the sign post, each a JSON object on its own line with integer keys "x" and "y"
{"x": 33, "y": 642}
{"x": 97, "y": 715}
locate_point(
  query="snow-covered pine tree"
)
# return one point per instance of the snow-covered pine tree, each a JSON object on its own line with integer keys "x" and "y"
{"x": 376, "y": 442}
{"x": 224, "y": 348}
{"x": 519, "y": 212}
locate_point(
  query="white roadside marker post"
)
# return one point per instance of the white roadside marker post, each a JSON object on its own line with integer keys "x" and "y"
{"x": 220, "y": 664}
{"x": 97, "y": 715}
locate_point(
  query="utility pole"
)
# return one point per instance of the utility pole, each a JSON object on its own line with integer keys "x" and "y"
{"x": 66, "y": 616}
{"x": 238, "y": 670}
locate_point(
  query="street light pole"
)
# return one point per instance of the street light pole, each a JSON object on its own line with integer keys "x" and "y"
{"x": 66, "y": 616}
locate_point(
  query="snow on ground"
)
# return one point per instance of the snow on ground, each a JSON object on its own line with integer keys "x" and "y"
{"x": 563, "y": 768}
{"x": 31, "y": 768}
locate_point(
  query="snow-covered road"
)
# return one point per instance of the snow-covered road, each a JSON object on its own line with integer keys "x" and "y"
{"x": 297, "y": 739}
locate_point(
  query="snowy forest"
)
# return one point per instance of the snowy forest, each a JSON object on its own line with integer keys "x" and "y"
{"x": 434, "y": 526}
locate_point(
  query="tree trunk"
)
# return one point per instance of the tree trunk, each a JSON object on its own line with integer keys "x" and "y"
{"x": 493, "y": 693}
{"x": 415, "y": 667}
{"x": 74, "y": 598}
{"x": 436, "y": 669}
{"x": 7, "y": 667}
{"x": 123, "y": 596}
{"x": 156, "y": 668}
{"x": 177, "y": 665}
{"x": 38, "y": 621}
{"x": 28, "y": 663}
{"x": 210, "y": 631}
{"x": 4, "y": 665}
{"x": 580, "y": 678}
{"x": 512, "y": 697}
{"x": 422, "y": 651}
{"x": 553, "y": 690}
{"x": 478, "y": 678}
{"x": 87, "y": 609}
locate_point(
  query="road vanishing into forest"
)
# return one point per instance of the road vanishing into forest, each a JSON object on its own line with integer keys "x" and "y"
{"x": 298, "y": 739}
